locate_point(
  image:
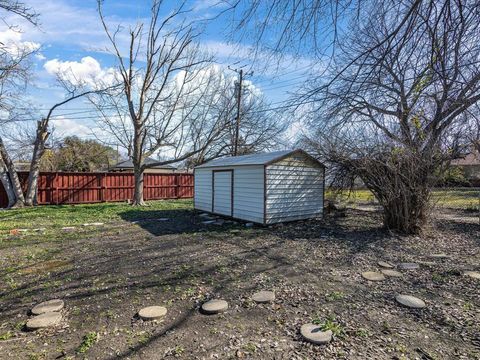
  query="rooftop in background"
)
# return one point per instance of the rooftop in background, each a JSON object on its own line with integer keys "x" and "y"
{"x": 469, "y": 160}
{"x": 128, "y": 165}
{"x": 252, "y": 159}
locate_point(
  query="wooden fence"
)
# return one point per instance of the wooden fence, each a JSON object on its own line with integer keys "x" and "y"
{"x": 83, "y": 188}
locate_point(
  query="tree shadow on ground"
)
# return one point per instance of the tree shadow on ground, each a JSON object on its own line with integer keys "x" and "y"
{"x": 333, "y": 227}
{"x": 148, "y": 256}
{"x": 163, "y": 222}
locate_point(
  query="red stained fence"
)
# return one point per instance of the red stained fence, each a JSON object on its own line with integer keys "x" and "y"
{"x": 82, "y": 188}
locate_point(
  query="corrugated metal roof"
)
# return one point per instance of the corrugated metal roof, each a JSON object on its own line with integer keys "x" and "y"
{"x": 251, "y": 159}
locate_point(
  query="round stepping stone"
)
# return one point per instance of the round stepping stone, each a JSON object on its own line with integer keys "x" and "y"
{"x": 473, "y": 274}
{"x": 214, "y": 306}
{"x": 373, "y": 276}
{"x": 410, "y": 301}
{"x": 48, "y": 306}
{"x": 44, "y": 320}
{"x": 314, "y": 334}
{"x": 392, "y": 273}
{"x": 385, "y": 265}
{"x": 152, "y": 312}
{"x": 263, "y": 296}
{"x": 408, "y": 266}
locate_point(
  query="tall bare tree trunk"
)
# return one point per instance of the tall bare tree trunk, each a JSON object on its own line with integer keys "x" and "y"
{"x": 138, "y": 193}
{"x": 12, "y": 173}
{"x": 138, "y": 168}
{"x": 39, "y": 148}
{"x": 7, "y": 185}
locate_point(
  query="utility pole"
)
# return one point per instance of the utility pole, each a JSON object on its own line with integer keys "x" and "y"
{"x": 239, "y": 89}
{"x": 237, "y": 122}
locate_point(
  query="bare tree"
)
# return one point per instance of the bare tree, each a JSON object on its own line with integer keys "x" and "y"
{"x": 163, "y": 106}
{"x": 14, "y": 75}
{"x": 283, "y": 27}
{"x": 260, "y": 129}
{"x": 42, "y": 133}
{"x": 19, "y": 8}
{"x": 388, "y": 105}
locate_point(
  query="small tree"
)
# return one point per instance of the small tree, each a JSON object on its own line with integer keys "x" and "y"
{"x": 79, "y": 155}
{"x": 75, "y": 90}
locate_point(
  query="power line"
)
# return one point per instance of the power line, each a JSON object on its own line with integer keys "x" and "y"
{"x": 280, "y": 107}
{"x": 288, "y": 84}
{"x": 286, "y": 73}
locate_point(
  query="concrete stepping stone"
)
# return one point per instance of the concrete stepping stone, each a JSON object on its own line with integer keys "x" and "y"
{"x": 314, "y": 334}
{"x": 209, "y": 222}
{"x": 94, "y": 224}
{"x": 385, "y": 265}
{"x": 410, "y": 301}
{"x": 44, "y": 320}
{"x": 215, "y": 306}
{"x": 391, "y": 273}
{"x": 440, "y": 256}
{"x": 473, "y": 274}
{"x": 48, "y": 306}
{"x": 373, "y": 276}
{"x": 263, "y": 296}
{"x": 152, "y": 312}
{"x": 408, "y": 266}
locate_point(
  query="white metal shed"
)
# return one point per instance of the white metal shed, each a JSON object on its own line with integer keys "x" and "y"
{"x": 263, "y": 188}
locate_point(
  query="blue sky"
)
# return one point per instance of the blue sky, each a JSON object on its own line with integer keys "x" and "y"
{"x": 70, "y": 35}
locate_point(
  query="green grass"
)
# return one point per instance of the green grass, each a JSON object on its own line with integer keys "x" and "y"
{"x": 329, "y": 324}
{"x": 456, "y": 198}
{"x": 88, "y": 341}
{"x": 75, "y": 215}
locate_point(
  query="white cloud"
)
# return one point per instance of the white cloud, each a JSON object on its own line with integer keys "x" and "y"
{"x": 12, "y": 42}
{"x": 40, "y": 57}
{"x": 67, "y": 127}
{"x": 62, "y": 23}
{"x": 87, "y": 71}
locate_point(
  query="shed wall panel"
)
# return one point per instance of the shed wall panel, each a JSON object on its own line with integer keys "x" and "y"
{"x": 222, "y": 195}
{"x": 248, "y": 193}
{"x": 295, "y": 188}
{"x": 203, "y": 189}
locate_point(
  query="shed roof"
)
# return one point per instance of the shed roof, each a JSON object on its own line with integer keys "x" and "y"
{"x": 128, "y": 164}
{"x": 253, "y": 159}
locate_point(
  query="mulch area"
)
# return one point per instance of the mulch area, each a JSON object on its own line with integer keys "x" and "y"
{"x": 106, "y": 275}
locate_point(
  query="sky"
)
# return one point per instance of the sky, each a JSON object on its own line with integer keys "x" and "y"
{"x": 70, "y": 36}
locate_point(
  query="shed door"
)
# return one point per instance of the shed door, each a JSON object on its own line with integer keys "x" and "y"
{"x": 222, "y": 192}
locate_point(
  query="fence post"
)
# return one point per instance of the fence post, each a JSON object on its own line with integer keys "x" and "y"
{"x": 102, "y": 187}
{"x": 55, "y": 189}
{"x": 176, "y": 186}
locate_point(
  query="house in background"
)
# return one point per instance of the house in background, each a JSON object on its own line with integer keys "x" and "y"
{"x": 470, "y": 166}
{"x": 22, "y": 165}
{"x": 127, "y": 166}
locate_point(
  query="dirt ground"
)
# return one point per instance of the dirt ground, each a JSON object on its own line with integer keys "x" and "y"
{"x": 106, "y": 274}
